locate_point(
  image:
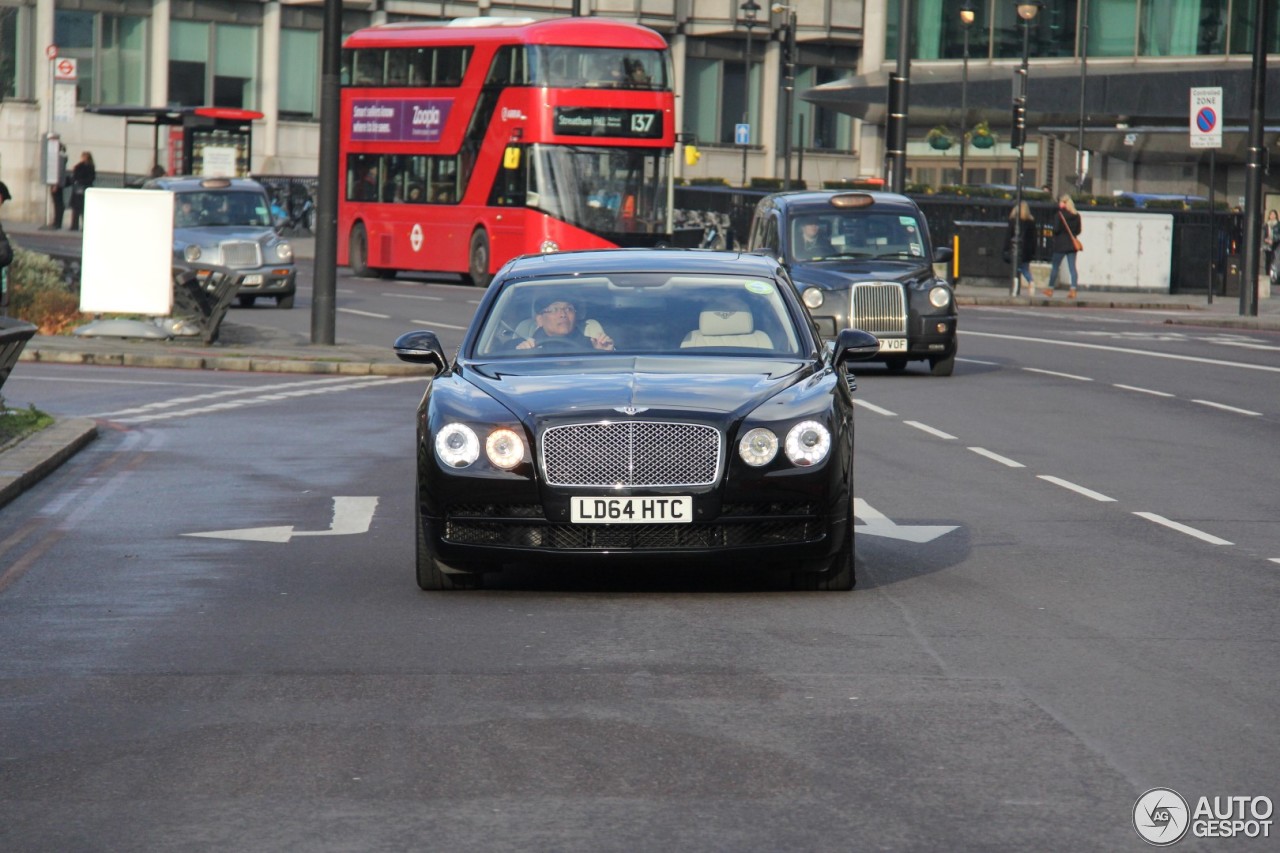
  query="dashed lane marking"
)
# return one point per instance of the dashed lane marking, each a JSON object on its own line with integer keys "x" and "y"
{"x": 1182, "y": 528}
{"x": 1078, "y": 489}
{"x": 1224, "y": 407}
{"x": 421, "y": 296}
{"x": 1217, "y": 362}
{"x": 863, "y": 404}
{"x": 1058, "y": 374}
{"x": 931, "y": 430}
{"x": 364, "y": 313}
{"x": 435, "y": 324}
{"x": 1003, "y": 460}
{"x": 1150, "y": 391}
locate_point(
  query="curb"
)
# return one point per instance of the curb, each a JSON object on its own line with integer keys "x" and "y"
{"x": 39, "y": 455}
{"x": 242, "y": 363}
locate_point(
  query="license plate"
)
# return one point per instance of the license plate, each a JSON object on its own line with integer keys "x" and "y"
{"x": 893, "y": 345}
{"x": 668, "y": 510}
{"x": 252, "y": 279}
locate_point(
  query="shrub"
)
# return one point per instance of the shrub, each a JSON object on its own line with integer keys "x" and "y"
{"x": 708, "y": 182}
{"x": 38, "y": 294}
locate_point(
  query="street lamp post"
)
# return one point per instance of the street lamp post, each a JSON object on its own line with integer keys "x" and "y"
{"x": 1027, "y": 11}
{"x": 749, "y": 11}
{"x": 967, "y": 16}
{"x": 1084, "y": 75}
{"x": 788, "y": 87}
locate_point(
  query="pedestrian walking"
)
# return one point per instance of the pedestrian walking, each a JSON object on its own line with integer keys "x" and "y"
{"x": 1026, "y": 246}
{"x": 82, "y": 177}
{"x": 1271, "y": 237}
{"x": 58, "y": 192}
{"x": 6, "y": 255}
{"x": 1066, "y": 244}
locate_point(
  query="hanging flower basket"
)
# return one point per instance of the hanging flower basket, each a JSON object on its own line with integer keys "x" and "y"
{"x": 982, "y": 137}
{"x": 939, "y": 139}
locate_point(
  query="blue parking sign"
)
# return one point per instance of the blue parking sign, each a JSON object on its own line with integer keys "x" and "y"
{"x": 742, "y": 134}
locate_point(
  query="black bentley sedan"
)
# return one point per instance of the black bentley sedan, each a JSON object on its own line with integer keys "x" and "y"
{"x": 864, "y": 260}
{"x": 637, "y": 404}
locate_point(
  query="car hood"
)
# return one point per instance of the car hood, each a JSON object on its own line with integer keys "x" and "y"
{"x": 604, "y": 386}
{"x": 832, "y": 274}
{"x": 212, "y": 235}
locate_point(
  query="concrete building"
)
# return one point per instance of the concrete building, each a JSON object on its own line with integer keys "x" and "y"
{"x": 264, "y": 55}
{"x": 1140, "y": 60}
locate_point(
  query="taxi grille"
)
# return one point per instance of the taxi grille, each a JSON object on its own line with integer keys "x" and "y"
{"x": 631, "y": 453}
{"x": 879, "y": 308}
{"x": 241, "y": 254}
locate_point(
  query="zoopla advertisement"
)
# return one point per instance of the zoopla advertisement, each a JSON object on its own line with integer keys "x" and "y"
{"x": 399, "y": 119}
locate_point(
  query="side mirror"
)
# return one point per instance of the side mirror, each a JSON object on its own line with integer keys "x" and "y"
{"x": 942, "y": 255}
{"x": 856, "y": 345}
{"x": 420, "y": 347}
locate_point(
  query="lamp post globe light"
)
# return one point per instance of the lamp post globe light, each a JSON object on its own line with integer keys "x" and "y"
{"x": 750, "y": 9}
{"x": 967, "y": 16}
{"x": 1027, "y": 11}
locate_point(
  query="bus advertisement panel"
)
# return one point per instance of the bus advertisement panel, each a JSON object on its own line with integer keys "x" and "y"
{"x": 468, "y": 143}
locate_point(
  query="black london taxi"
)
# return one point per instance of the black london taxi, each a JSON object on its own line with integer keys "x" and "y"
{"x": 864, "y": 260}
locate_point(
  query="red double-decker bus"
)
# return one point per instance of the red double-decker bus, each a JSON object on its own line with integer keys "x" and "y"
{"x": 468, "y": 143}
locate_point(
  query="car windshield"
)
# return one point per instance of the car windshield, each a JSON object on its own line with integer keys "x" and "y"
{"x": 204, "y": 208}
{"x": 837, "y": 234}
{"x": 640, "y": 313}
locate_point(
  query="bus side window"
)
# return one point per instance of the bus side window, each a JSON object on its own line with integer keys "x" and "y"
{"x": 398, "y": 67}
{"x": 369, "y": 71}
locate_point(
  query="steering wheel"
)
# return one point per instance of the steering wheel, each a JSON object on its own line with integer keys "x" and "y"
{"x": 572, "y": 342}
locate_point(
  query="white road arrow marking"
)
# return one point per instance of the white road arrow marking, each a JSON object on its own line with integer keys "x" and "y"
{"x": 874, "y": 523}
{"x": 350, "y": 516}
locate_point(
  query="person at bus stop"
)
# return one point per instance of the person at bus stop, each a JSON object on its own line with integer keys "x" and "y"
{"x": 1066, "y": 227}
{"x": 58, "y": 192}
{"x": 556, "y": 316}
{"x": 82, "y": 177}
{"x": 1027, "y": 241}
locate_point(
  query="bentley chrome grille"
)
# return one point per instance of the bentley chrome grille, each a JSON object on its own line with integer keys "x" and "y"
{"x": 631, "y": 453}
{"x": 879, "y": 308}
{"x": 241, "y": 254}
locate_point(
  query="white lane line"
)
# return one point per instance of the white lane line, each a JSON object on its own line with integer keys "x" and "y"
{"x": 214, "y": 395}
{"x": 121, "y": 381}
{"x": 1224, "y": 407}
{"x": 1003, "y": 460}
{"x": 365, "y": 314}
{"x": 1127, "y": 351}
{"x": 874, "y": 408}
{"x": 432, "y": 324}
{"x": 1150, "y": 391}
{"x": 416, "y": 296}
{"x": 1056, "y": 373}
{"x": 1274, "y": 559}
{"x": 1182, "y": 528}
{"x": 926, "y": 428}
{"x": 1080, "y": 490}
{"x": 978, "y": 361}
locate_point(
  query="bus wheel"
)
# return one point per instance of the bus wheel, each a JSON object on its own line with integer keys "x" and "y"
{"x": 358, "y": 253}
{"x": 479, "y": 267}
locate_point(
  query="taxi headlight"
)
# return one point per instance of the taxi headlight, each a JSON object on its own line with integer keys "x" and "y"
{"x": 939, "y": 297}
{"x": 457, "y": 445}
{"x": 505, "y": 448}
{"x": 758, "y": 447}
{"x": 808, "y": 443}
{"x": 549, "y": 246}
{"x": 812, "y": 297}
{"x": 191, "y": 253}
{"x": 284, "y": 251}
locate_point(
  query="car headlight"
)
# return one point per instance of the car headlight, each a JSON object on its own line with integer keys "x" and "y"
{"x": 549, "y": 246}
{"x": 939, "y": 297}
{"x": 812, "y": 297}
{"x": 191, "y": 253}
{"x": 505, "y": 448}
{"x": 284, "y": 251}
{"x": 758, "y": 447}
{"x": 457, "y": 445}
{"x": 808, "y": 443}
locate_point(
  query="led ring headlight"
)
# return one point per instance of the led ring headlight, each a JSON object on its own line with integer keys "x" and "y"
{"x": 808, "y": 443}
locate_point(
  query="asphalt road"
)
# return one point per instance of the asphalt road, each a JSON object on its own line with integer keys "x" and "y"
{"x": 1069, "y": 571}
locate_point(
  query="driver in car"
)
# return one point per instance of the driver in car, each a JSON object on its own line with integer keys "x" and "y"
{"x": 556, "y": 318}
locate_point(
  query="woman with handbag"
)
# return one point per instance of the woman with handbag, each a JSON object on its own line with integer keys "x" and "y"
{"x": 82, "y": 177}
{"x": 1066, "y": 243}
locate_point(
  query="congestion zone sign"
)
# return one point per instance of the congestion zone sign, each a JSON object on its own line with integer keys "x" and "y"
{"x": 1206, "y": 117}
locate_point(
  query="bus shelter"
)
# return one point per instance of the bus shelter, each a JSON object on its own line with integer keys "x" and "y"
{"x": 203, "y": 141}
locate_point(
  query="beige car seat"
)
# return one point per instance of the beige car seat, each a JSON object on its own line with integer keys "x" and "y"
{"x": 726, "y": 329}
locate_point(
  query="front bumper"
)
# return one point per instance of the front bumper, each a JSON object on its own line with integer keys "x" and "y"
{"x": 267, "y": 281}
